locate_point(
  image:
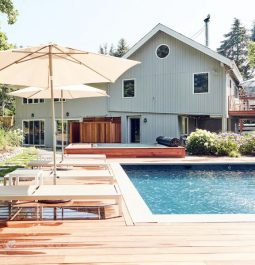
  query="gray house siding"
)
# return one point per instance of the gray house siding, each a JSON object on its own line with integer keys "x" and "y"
{"x": 77, "y": 109}
{"x": 164, "y": 93}
{"x": 166, "y": 85}
{"x": 156, "y": 125}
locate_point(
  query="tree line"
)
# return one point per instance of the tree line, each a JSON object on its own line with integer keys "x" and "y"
{"x": 239, "y": 45}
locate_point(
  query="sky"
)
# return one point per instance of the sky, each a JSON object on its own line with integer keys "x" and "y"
{"x": 86, "y": 24}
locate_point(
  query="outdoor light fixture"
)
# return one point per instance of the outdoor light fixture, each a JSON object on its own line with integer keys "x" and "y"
{"x": 32, "y": 115}
{"x": 67, "y": 114}
{"x": 145, "y": 120}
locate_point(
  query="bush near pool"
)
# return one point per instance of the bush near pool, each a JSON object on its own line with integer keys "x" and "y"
{"x": 202, "y": 142}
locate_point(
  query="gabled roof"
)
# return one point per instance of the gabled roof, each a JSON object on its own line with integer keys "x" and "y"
{"x": 231, "y": 64}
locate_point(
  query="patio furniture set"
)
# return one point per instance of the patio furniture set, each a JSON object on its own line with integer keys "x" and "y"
{"x": 16, "y": 194}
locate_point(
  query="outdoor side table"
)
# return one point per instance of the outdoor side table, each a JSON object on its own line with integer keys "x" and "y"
{"x": 37, "y": 175}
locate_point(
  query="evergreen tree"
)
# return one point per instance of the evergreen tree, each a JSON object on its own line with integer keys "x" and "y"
{"x": 235, "y": 47}
{"x": 122, "y": 48}
{"x": 253, "y": 32}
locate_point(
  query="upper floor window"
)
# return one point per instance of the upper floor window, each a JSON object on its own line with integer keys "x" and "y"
{"x": 162, "y": 51}
{"x": 128, "y": 88}
{"x": 201, "y": 83}
{"x": 59, "y": 99}
{"x": 33, "y": 100}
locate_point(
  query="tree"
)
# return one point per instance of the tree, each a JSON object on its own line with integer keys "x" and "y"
{"x": 235, "y": 47}
{"x": 7, "y": 103}
{"x": 122, "y": 48}
{"x": 4, "y": 45}
{"x": 251, "y": 54}
{"x": 104, "y": 49}
{"x": 253, "y": 32}
{"x": 6, "y": 7}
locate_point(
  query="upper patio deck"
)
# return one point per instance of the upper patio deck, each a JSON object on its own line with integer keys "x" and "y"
{"x": 243, "y": 106}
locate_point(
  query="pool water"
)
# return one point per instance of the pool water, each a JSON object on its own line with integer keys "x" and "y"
{"x": 203, "y": 189}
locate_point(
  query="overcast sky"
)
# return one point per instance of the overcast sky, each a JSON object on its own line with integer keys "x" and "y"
{"x": 85, "y": 24}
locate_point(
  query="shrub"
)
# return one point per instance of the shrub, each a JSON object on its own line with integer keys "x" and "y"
{"x": 10, "y": 138}
{"x": 227, "y": 143}
{"x": 3, "y": 140}
{"x": 201, "y": 142}
{"x": 247, "y": 146}
{"x": 14, "y": 137}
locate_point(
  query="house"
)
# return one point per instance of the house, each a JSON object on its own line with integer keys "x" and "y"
{"x": 179, "y": 86}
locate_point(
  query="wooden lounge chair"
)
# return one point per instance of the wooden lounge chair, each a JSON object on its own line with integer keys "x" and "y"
{"x": 68, "y": 163}
{"x": 85, "y": 156}
{"x": 86, "y": 175}
{"x": 61, "y": 192}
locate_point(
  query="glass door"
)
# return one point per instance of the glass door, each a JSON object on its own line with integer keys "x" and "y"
{"x": 134, "y": 130}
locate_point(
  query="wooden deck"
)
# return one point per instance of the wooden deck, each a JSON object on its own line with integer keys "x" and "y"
{"x": 121, "y": 151}
{"x": 118, "y": 241}
{"x": 112, "y": 242}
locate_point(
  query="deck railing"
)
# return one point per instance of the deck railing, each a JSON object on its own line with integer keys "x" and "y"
{"x": 241, "y": 104}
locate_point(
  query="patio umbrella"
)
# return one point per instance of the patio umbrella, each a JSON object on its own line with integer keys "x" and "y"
{"x": 52, "y": 65}
{"x": 63, "y": 92}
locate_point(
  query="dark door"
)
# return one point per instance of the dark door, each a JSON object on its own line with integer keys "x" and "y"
{"x": 134, "y": 130}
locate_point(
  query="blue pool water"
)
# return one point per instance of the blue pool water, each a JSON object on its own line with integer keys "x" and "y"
{"x": 203, "y": 189}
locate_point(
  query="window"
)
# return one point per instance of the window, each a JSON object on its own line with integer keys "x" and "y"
{"x": 162, "y": 51}
{"x": 129, "y": 88}
{"x": 184, "y": 125}
{"x": 33, "y": 132}
{"x": 201, "y": 83}
{"x": 33, "y": 101}
{"x": 59, "y": 99}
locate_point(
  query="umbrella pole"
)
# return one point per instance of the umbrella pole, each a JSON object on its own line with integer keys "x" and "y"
{"x": 53, "y": 116}
{"x": 62, "y": 123}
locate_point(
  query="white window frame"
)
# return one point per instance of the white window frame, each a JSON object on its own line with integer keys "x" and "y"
{"x": 128, "y": 79}
{"x": 193, "y": 83}
{"x": 185, "y": 124}
{"x": 157, "y": 49}
{"x": 23, "y": 131}
{"x": 33, "y": 101}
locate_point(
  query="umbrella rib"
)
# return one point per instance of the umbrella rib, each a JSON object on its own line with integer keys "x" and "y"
{"x": 31, "y": 53}
{"x": 79, "y": 62}
{"x": 53, "y": 52}
{"x": 29, "y": 59}
{"x": 37, "y": 92}
{"x": 69, "y": 92}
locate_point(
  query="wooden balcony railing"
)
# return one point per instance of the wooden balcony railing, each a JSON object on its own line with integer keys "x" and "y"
{"x": 241, "y": 106}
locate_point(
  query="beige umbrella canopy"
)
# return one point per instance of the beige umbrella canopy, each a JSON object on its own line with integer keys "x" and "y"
{"x": 63, "y": 92}
{"x": 51, "y": 65}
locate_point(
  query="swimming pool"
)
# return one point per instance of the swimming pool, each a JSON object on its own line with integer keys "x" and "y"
{"x": 196, "y": 189}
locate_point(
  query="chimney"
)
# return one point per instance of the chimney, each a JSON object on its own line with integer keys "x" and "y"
{"x": 207, "y": 20}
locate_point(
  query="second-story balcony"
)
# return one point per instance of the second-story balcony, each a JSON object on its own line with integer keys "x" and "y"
{"x": 243, "y": 106}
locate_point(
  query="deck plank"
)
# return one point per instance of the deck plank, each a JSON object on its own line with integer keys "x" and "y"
{"x": 112, "y": 242}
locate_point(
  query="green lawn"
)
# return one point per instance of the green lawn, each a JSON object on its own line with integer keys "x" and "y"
{"x": 18, "y": 161}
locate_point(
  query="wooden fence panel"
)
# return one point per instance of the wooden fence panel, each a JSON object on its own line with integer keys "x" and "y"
{"x": 100, "y": 131}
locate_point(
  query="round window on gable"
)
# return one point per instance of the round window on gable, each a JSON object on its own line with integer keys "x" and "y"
{"x": 162, "y": 51}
